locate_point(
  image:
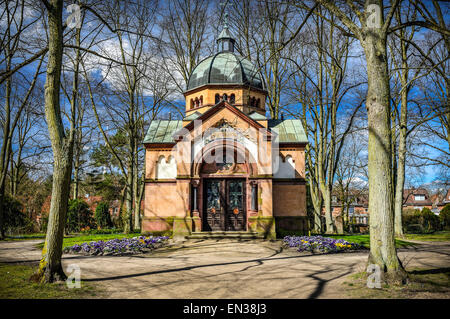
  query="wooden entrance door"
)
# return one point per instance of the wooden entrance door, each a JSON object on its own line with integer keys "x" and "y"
{"x": 214, "y": 206}
{"x": 224, "y": 206}
{"x": 235, "y": 209}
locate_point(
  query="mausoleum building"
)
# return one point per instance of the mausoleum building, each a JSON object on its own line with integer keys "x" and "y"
{"x": 225, "y": 167}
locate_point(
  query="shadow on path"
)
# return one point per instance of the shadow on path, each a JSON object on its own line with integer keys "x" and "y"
{"x": 258, "y": 260}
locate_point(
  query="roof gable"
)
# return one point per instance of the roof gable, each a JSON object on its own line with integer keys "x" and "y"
{"x": 217, "y": 108}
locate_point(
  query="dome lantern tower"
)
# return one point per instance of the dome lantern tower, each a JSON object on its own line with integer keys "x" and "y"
{"x": 225, "y": 41}
{"x": 225, "y": 75}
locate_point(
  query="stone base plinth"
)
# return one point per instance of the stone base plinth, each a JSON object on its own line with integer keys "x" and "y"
{"x": 294, "y": 224}
{"x": 262, "y": 225}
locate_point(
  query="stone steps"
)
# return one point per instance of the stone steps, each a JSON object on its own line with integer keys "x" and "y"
{"x": 225, "y": 235}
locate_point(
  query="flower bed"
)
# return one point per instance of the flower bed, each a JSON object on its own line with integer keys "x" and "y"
{"x": 119, "y": 246}
{"x": 319, "y": 244}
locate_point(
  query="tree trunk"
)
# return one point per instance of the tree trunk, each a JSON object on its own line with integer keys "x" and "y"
{"x": 4, "y": 156}
{"x": 382, "y": 243}
{"x": 400, "y": 180}
{"x": 15, "y": 170}
{"x": 317, "y": 204}
{"x": 50, "y": 267}
{"x": 75, "y": 178}
{"x": 136, "y": 210}
{"x": 330, "y": 225}
{"x": 128, "y": 220}
{"x": 139, "y": 196}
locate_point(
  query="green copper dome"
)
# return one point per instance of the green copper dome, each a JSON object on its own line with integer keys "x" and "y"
{"x": 225, "y": 67}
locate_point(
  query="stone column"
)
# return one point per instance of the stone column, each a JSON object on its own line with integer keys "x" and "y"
{"x": 194, "y": 209}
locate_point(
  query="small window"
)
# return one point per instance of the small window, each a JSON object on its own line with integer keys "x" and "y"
{"x": 225, "y": 97}
{"x": 201, "y": 100}
{"x": 217, "y": 98}
{"x": 419, "y": 197}
{"x": 254, "y": 197}
{"x": 232, "y": 98}
{"x": 258, "y": 102}
{"x": 192, "y": 103}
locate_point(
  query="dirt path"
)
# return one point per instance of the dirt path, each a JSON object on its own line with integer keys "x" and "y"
{"x": 226, "y": 269}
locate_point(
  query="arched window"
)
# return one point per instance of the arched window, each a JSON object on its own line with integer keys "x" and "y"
{"x": 192, "y": 103}
{"x": 253, "y": 102}
{"x": 258, "y": 102}
{"x": 217, "y": 98}
{"x": 201, "y": 100}
{"x": 285, "y": 167}
{"x": 232, "y": 98}
{"x": 196, "y": 102}
{"x": 166, "y": 169}
{"x": 225, "y": 97}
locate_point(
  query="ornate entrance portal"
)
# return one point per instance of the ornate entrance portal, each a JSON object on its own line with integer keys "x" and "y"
{"x": 224, "y": 206}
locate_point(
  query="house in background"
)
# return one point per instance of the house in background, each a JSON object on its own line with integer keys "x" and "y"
{"x": 357, "y": 203}
{"x": 114, "y": 205}
{"x": 416, "y": 199}
{"x": 444, "y": 201}
{"x": 92, "y": 202}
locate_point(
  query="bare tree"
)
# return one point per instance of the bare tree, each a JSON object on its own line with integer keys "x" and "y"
{"x": 412, "y": 62}
{"x": 184, "y": 29}
{"x": 371, "y": 31}
{"x": 320, "y": 86}
{"x": 122, "y": 99}
{"x": 12, "y": 46}
{"x": 50, "y": 267}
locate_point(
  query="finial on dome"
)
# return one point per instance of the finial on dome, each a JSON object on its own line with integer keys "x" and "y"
{"x": 225, "y": 41}
{"x": 225, "y": 21}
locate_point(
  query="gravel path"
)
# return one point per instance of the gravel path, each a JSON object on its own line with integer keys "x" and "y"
{"x": 225, "y": 269}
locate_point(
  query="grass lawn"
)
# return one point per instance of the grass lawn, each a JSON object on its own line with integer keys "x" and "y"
{"x": 436, "y": 236}
{"x": 26, "y": 237}
{"x": 79, "y": 239}
{"x": 423, "y": 283}
{"x": 364, "y": 240}
{"x": 15, "y": 284}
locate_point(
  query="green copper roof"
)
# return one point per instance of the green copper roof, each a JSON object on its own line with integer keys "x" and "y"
{"x": 289, "y": 131}
{"x": 225, "y": 34}
{"x": 257, "y": 116}
{"x": 225, "y": 68}
{"x": 193, "y": 116}
{"x": 161, "y": 131}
